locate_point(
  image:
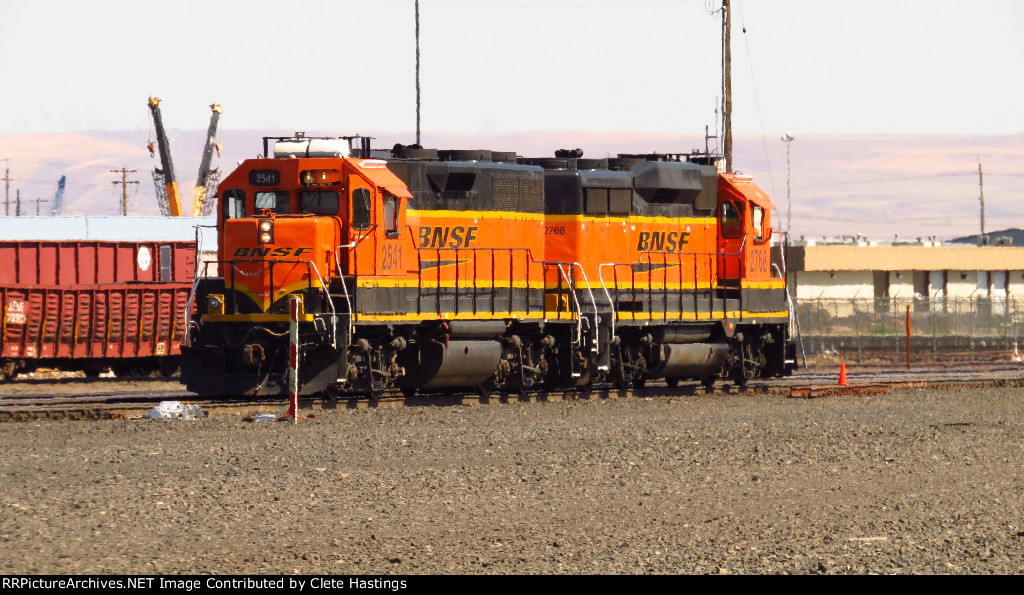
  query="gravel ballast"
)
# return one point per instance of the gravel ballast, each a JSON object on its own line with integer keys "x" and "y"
{"x": 916, "y": 481}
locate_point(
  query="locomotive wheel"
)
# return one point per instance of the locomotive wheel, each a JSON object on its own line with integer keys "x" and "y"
{"x": 168, "y": 366}
{"x": 639, "y": 382}
{"x": 484, "y": 390}
{"x": 708, "y": 382}
{"x": 672, "y": 381}
{"x": 739, "y": 376}
{"x": 409, "y": 391}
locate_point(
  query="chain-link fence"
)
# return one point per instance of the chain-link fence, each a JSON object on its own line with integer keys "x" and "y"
{"x": 875, "y": 330}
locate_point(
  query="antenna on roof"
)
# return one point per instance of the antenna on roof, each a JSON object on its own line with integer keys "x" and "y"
{"x": 417, "y": 72}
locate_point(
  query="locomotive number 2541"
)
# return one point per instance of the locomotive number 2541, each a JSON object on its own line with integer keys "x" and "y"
{"x": 392, "y": 258}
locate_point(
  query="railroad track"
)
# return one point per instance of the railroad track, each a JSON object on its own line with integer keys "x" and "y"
{"x": 863, "y": 380}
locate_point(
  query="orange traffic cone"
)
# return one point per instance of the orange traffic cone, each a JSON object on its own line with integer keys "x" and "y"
{"x": 842, "y": 375}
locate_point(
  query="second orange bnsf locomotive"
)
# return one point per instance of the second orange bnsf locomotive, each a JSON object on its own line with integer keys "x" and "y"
{"x": 430, "y": 270}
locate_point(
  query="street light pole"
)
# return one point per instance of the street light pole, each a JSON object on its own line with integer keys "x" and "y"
{"x": 788, "y": 138}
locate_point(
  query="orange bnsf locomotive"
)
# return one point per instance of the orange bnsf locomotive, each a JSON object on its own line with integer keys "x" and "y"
{"x": 428, "y": 270}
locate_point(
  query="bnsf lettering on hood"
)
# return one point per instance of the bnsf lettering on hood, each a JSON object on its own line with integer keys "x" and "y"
{"x": 264, "y": 252}
{"x": 661, "y": 241}
{"x": 447, "y": 237}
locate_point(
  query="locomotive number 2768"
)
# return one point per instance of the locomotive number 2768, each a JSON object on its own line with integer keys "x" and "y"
{"x": 758, "y": 262}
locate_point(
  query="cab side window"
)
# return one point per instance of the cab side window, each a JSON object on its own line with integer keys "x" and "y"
{"x": 233, "y": 204}
{"x": 731, "y": 220}
{"x": 361, "y": 208}
{"x": 757, "y": 219}
{"x": 391, "y": 215}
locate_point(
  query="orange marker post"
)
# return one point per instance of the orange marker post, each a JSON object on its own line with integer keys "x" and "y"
{"x": 293, "y": 359}
{"x": 908, "y": 337}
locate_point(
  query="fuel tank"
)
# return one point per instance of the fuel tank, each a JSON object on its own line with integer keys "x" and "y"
{"x": 690, "y": 360}
{"x": 448, "y": 364}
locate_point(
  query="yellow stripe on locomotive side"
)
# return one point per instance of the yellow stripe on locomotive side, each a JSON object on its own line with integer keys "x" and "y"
{"x": 380, "y": 282}
{"x": 769, "y": 284}
{"x": 669, "y": 316}
{"x": 626, "y": 287}
{"x": 412, "y": 317}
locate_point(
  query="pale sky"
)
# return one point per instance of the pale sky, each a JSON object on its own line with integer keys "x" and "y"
{"x": 894, "y": 103}
{"x": 489, "y": 66}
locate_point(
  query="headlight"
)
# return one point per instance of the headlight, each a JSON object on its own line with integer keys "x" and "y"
{"x": 266, "y": 231}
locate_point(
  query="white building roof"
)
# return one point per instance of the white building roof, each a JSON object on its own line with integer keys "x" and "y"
{"x": 112, "y": 228}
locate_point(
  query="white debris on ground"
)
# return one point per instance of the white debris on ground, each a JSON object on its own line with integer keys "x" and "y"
{"x": 175, "y": 410}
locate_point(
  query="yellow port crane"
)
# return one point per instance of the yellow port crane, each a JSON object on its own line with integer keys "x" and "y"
{"x": 167, "y": 194}
{"x": 207, "y": 177}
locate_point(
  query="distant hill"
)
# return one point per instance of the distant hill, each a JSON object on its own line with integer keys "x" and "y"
{"x": 878, "y": 186}
{"x": 1006, "y": 237}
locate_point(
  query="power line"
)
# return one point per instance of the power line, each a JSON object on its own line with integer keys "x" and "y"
{"x": 124, "y": 181}
{"x": 7, "y": 190}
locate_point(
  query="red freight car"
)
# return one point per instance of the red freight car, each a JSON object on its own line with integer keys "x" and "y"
{"x": 92, "y": 305}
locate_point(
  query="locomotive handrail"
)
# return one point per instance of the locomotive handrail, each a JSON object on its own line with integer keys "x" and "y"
{"x": 784, "y": 249}
{"x": 344, "y": 286}
{"x": 572, "y": 288}
{"x": 528, "y": 253}
{"x": 327, "y": 294}
{"x": 195, "y": 280}
{"x": 310, "y": 265}
{"x": 191, "y": 301}
{"x": 593, "y": 302}
{"x": 647, "y": 255}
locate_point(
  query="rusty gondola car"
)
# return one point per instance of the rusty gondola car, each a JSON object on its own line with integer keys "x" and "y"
{"x": 93, "y": 305}
{"x": 427, "y": 270}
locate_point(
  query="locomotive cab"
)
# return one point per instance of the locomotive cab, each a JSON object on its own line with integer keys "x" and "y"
{"x": 293, "y": 224}
{"x": 744, "y": 231}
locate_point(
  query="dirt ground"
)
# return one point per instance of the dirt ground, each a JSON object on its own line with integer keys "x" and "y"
{"x": 911, "y": 482}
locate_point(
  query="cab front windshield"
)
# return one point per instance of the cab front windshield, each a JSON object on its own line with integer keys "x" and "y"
{"x": 319, "y": 202}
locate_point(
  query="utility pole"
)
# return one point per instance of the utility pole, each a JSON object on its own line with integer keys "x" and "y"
{"x": 727, "y": 85}
{"x": 39, "y": 200}
{"x": 788, "y": 138}
{"x": 7, "y": 189}
{"x": 417, "y": 72}
{"x": 124, "y": 171}
{"x": 17, "y": 206}
{"x": 982, "y": 240}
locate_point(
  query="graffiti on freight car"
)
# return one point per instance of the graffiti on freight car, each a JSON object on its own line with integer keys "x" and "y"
{"x": 15, "y": 312}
